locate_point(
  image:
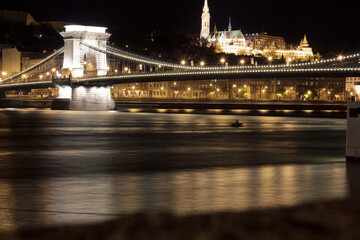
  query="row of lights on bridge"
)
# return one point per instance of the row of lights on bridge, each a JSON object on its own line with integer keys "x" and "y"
{"x": 202, "y": 63}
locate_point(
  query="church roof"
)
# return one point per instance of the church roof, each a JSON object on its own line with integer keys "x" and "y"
{"x": 230, "y": 35}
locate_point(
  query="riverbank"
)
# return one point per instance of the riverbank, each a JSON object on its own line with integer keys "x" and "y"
{"x": 221, "y": 107}
{"x": 327, "y": 220}
{"x": 233, "y": 107}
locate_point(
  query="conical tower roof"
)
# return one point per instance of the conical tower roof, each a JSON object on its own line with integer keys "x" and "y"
{"x": 206, "y": 5}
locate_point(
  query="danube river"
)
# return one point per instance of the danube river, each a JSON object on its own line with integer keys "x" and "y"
{"x": 63, "y": 167}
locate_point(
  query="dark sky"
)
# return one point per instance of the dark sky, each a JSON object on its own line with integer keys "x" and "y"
{"x": 328, "y": 24}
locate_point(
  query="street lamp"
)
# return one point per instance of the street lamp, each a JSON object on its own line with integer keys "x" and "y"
{"x": 222, "y": 60}
{"x": 202, "y": 63}
{"x": 242, "y": 61}
{"x": 183, "y": 62}
{"x": 289, "y": 60}
{"x": 340, "y": 58}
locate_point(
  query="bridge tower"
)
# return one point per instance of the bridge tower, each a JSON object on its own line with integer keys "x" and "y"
{"x": 80, "y": 61}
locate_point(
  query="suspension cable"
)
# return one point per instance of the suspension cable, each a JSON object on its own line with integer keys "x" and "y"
{"x": 58, "y": 52}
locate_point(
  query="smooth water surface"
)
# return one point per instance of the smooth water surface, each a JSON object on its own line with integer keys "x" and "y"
{"x": 63, "y": 167}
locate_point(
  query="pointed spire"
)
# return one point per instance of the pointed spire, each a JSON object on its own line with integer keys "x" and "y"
{"x": 206, "y": 6}
{"x": 305, "y": 41}
{"x": 229, "y": 28}
{"x": 205, "y": 21}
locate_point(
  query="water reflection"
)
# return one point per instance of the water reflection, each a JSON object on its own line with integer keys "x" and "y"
{"x": 101, "y": 197}
{"x": 76, "y": 167}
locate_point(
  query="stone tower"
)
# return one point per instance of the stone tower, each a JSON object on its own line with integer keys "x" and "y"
{"x": 205, "y": 21}
{"x": 80, "y": 60}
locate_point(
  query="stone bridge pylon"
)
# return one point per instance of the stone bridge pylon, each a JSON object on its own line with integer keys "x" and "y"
{"x": 80, "y": 61}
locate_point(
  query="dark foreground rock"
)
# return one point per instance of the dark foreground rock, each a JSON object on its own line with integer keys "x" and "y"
{"x": 330, "y": 220}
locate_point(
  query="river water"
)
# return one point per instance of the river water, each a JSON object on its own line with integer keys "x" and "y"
{"x": 63, "y": 167}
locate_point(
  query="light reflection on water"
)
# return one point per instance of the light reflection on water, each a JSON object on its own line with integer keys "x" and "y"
{"x": 76, "y": 167}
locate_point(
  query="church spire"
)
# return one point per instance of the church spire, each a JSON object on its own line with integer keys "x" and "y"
{"x": 206, "y": 4}
{"x": 229, "y": 27}
{"x": 205, "y": 21}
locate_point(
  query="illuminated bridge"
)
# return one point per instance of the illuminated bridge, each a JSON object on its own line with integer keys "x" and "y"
{"x": 85, "y": 78}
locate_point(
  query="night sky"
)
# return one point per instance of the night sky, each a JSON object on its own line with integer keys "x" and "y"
{"x": 329, "y": 25}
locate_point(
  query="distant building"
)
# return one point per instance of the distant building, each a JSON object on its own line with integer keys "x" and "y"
{"x": 11, "y": 61}
{"x": 234, "y": 41}
{"x": 17, "y": 17}
{"x": 264, "y": 41}
{"x": 353, "y": 86}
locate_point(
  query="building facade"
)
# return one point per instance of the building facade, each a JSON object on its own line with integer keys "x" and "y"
{"x": 234, "y": 42}
{"x": 17, "y": 17}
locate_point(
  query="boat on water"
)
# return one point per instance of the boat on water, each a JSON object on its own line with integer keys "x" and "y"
{"x": 237, "y": 124}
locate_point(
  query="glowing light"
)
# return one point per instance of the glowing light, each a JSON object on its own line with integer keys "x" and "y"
{"x": 79, "y": 28}
{"x": 242, "y": 61}
{"x": 270, "y": 59}
{"x": 202, "y": 63}
{"x": 357, "y": 88}
{"x": 47, "y": 74}
{"x": 218, "y": 90}
{"x": 234, "y": 86}
{"x": 4, "y": 73}
{"x": 183, "y": 62}
{"x": 340, "y": 58}
{"x": 53, "y": 69}
{"x": 222, "y": 60}
{"x": 189, "y": 89}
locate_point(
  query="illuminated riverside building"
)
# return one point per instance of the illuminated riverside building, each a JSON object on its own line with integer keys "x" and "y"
{"x": 235, "y": 42}
{"x": 282, "y": 89}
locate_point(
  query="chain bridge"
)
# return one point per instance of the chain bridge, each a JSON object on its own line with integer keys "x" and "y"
{"x": 85, "y": 79}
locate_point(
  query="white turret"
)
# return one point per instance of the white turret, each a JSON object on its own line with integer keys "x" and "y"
{"x": 229, "y": 27}
{"x": 205, "y": 21}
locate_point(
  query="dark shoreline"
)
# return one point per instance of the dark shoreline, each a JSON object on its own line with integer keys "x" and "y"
{"x": 337, "y": 219}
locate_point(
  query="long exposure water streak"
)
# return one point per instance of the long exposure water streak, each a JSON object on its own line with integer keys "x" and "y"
{"x": 75, "y": 167}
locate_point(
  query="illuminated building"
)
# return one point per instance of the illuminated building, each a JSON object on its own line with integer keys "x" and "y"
{"x": 234, "y": 42}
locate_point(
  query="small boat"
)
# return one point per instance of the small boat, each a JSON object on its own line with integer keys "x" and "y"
{"x": 237, "y": 124}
